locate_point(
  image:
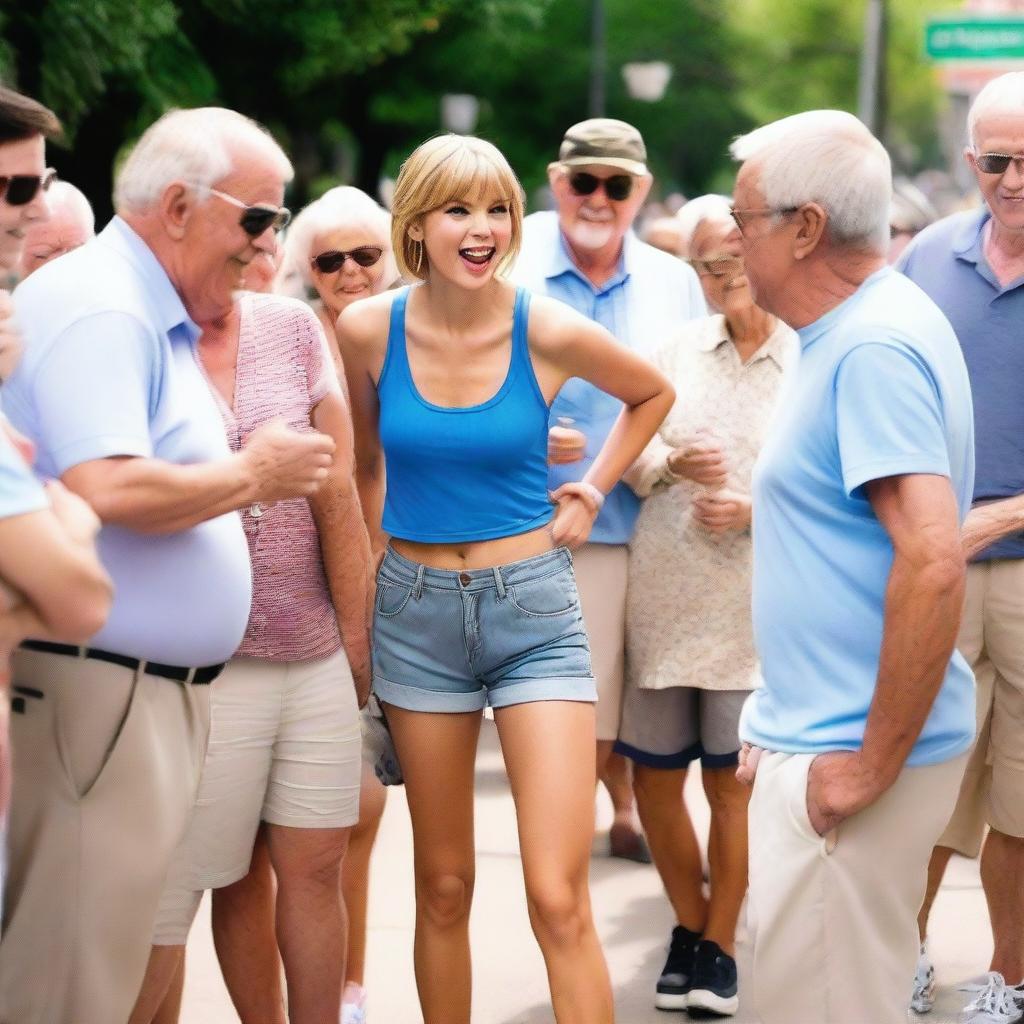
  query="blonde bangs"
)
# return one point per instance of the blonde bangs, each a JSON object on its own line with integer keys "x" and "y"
{"x": 446, "y": 168}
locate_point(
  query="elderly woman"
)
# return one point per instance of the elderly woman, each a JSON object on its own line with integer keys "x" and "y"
{"x": 690, "y": 651}
{"x": 341, "y": 246}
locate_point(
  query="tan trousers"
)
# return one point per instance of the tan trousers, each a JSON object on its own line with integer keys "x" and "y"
{"x": 992, "y": 640}
{"x": 106, "y": 768}
{"x": 602, "y": 574}
{"x": 835, "y": 921}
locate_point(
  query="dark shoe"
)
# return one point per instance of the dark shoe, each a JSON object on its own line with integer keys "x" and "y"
{"x": 713, "y": 989}
{"x": 628, "y": 844}
{"x": 673, "y": 986}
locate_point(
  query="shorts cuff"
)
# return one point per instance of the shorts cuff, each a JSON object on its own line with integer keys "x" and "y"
{"x": 720, "y": 760}
{"x": 416, "y": 698}
{"x": 667, "y": 762}
{"x": 575, "y": 688}
{"x": 338, "y": 819}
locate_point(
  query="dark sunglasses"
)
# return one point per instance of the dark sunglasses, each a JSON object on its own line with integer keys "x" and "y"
{"x": 617, "y": 187}
{"x": 19, "y": 189}
{"x": 718, "y": 266}
{"x": 996, "y": 163}
{"x": 256, "y": 219}
{"x": 364, "y": 256}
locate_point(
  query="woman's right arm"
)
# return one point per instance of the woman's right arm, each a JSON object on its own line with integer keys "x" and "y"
{"x": 362, "y": 340}
{"x": 651, "y": 468}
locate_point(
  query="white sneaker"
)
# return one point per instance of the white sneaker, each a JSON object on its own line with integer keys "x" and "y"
{"x": 923, "y": 998}
{"x": 995, "y": 1002}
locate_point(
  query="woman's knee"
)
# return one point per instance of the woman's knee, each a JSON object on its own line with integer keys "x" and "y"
{"x": 560, "y": 912}
{"x": 445, "y": 897}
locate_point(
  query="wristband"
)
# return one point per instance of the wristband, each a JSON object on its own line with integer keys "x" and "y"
{"x": 595, "y": 492}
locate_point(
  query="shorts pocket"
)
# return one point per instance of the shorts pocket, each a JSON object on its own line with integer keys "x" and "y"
{"x": 546, "y": 598}
{"x": 799, "y": 767}
{"x": 391, "y": 597}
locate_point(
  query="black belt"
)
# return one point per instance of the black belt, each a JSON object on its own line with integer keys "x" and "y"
{"x": 199, "y": 676}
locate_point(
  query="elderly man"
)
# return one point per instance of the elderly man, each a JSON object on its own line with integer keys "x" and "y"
{"x": 70, "y": 225}
{"x": 972, "y": 266}
{"x": 859, "y": 736}
{"x": 587, "y": 255}
{"x": 110, "y": 745}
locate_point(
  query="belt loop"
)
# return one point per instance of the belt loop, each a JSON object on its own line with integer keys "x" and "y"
{"x": 191, "y": 675}
{"x": 417, "y": 587}
{"x": 83, "y": 651}
{"x": 499, "y": 583}
{"x": 141, "y": 670}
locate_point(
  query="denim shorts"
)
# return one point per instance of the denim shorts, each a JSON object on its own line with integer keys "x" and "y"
{"x": 454, "y": 641}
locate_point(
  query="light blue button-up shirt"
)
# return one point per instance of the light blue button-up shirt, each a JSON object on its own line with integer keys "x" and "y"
{"x": 20, "y": 491}
{"x": 642, "y": 305}
{"x": 110, "y": 369}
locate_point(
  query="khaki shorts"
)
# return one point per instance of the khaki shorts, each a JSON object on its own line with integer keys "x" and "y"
{"x": 992, "y": 640}
{"x": 602, "y": 574}
{"x": 284, "y": 749}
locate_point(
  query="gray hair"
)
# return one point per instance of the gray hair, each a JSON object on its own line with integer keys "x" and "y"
{"x": 830, "y": 158}
{"x": 699, "y": 210}
{"x": 1004, "y": 94}
{"x": 338, "y": 208}
{"x": 63, "y": 197}
{"x": 196, "y": 146}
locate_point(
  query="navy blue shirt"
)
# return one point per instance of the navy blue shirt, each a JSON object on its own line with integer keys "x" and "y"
{"x": 948, "y": 262}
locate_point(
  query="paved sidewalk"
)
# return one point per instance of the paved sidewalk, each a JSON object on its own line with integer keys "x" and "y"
{"x": 509, "y": 982}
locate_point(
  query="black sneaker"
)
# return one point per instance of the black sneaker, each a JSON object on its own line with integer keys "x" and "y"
{"x": 673, "y": 986}
{"x": 713, "y": 990}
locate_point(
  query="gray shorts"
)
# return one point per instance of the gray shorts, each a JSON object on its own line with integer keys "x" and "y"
{"x": 672, "y": 727}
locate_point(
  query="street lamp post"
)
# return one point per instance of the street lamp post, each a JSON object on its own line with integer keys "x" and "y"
{"x": 598, "y": 59}
{"x": 871, "y": 105}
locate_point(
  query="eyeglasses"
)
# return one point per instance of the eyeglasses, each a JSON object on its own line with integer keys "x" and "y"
{"x": 256, "y": 219}
{"x": 718, "y": 266}
{"x": 617, "y": 187}
{"x": 996, "y": 163}
{"x": 21, "y": 189}
{"x": 334, "y": 259}
{"x": 744, "y": 215}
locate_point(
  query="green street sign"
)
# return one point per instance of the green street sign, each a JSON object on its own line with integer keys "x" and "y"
{"x": 975, "y": 38}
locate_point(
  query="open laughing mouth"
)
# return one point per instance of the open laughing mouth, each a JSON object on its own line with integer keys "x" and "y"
{"x": 478, "y": 257}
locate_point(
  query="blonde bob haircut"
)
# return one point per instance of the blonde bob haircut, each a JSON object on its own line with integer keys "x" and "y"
{"x": 442, "y": 169}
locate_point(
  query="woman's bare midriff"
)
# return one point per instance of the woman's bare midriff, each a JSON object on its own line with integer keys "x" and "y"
{"x": 477, "y": 554}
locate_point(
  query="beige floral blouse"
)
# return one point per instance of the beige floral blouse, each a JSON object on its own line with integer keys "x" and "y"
{"x": 688, "y": 605}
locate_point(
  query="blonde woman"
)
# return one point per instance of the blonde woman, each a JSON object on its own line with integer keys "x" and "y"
{"x": 451, "y": 380}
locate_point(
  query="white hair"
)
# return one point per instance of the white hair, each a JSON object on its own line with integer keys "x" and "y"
{"x": 199, "y": 147}
{"x": 64, "y": 200}
{"x": 698, "y": 210}
{"x": 339, "y": 208}
{"x": 1003, "y": 95}
{"x": 826, "y": 157}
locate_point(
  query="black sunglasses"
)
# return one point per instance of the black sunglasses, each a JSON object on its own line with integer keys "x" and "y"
{"x": 617, "y": 187}
{"x": 995, "y": 163}
{"x": 256, "y": 219}
{"x": 20, "y": 189}
{"x": 334, "y": 259}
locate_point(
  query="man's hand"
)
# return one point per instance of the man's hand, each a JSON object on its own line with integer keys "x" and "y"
{"x": 722, "y": 511}
{"x": 565, "y": 445}
{"x": 575, "y": 517}
{"x": 840, "y": 784}
{"x": 10, "y": 337}
{"x": 362, "y": 676}
{"x": 73, "y": 513}
{"x": 749, "y": 758}
{"x": 285, "y": 463}
{"x": 701, "y": 461}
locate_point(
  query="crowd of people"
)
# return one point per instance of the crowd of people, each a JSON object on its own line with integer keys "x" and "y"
{"x": 281, "y": 500}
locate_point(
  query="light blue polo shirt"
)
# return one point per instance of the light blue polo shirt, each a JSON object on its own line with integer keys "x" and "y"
{"x": 642, "y": 305}
{"x": 881, "y": 390}
{"x": 20, "y": 491}
{"x": 110, "y": 369}
{"x": 947, "y": 261}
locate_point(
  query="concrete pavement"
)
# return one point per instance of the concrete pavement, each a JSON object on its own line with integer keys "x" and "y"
{"x": 632, "y": 915}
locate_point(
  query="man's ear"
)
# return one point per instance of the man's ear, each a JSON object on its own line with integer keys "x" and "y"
{"x": 811, "y": 223}
{"x": 643, "y": 187}
{"x": 177, "y": 204}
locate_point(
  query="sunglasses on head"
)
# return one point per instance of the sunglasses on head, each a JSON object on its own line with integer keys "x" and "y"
{"x": 364, "y": 256}
{"x": 996, "y": 163}
{"x": 617, "y": 187}
{"x": 256, "y": 219}
{"x": 20, "y": 189}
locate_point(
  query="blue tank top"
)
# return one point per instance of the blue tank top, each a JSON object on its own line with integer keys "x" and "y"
{"x": 473, "y": 472}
